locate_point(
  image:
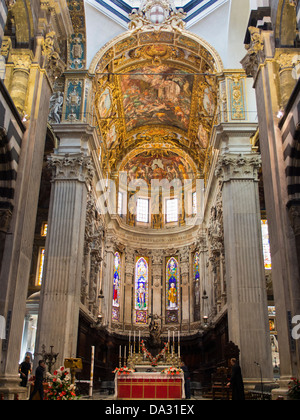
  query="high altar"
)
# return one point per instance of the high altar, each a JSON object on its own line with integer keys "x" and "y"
{"x": 150, "y": 377}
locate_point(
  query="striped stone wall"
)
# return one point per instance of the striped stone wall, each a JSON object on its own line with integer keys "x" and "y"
{"x": 290, "y": 128}
{"x": 3, "y": 15}
{"x": 11, "y": 133}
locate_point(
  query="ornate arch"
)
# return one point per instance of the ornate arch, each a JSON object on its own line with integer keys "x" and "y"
{"x": 184, "y": 110}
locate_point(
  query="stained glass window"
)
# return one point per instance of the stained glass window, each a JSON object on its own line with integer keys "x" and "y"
{"x": 41, "y": 266}
{"x": 44, "y": 230}
{"x": 172, "y": 284}
{"x": 266, "y": 245}
{"x": 141, "y": 289}
{"x": 116, "y": 288}
{"x": 197, "y": 286}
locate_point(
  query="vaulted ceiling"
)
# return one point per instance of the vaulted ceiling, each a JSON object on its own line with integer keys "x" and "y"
{"x": 156, "y": 91}
{"x": 120, "y": 9}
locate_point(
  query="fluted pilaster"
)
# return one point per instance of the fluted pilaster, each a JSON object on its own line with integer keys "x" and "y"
{"x": 246, "y": 292}
{"x": 61, "y": 287}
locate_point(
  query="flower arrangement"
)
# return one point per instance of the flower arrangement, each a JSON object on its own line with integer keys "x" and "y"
{"x": 123, "y": 371}
{"x": 172, "y": 371}
{"x": 294, "y": 389}
{"x": 149, "y": 356}
{"x": 60, "y": 386}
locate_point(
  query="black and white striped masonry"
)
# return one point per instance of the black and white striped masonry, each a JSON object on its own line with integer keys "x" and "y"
{"x": 290, "y": 129}
{"x": 11, "y": 133}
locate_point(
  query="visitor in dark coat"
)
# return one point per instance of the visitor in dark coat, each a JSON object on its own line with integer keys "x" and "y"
{"x": 39, "y": 379}
{"x": 187, "y": 381}
{"x": 236, "y": 382}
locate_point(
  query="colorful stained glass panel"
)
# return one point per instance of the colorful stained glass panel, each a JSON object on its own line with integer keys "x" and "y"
{"x": 116, "y": 287}
{"x": 141, "y": 289}
{"x": 172, "y": 284}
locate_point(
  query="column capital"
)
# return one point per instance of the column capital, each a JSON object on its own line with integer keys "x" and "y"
{"x": 72, "y": 167}
{"x": 22, "y": 60}
{"x": 238, "y": 166}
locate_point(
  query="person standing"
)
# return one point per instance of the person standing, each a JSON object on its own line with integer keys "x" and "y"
{"x": 24, "y": 370}
{"x": 187, "y": 381}
{"x": 39, "y": 379}
{"x": 236, "y": 381}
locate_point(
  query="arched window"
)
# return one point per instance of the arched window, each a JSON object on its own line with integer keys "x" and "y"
{"x": 196, "y": 269}
{"x": 172, "y": 290}
{"x": 116, "y": 288}
{"x": 141, "y": 290}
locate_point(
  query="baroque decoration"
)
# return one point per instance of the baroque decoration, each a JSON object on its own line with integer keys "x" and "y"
{"x": 156, "y": 87}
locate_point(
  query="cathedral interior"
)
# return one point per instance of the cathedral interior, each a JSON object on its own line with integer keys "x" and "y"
{"x": 149, "y": 172}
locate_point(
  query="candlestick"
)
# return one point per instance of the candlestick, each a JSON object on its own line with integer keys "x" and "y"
{"x": 139, "y": 341}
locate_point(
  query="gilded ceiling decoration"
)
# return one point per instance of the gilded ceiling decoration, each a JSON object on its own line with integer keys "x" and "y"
{"x": 154, "y": 87}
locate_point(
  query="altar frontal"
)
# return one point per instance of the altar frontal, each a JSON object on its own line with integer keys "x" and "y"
{"x": 144, "y": 375}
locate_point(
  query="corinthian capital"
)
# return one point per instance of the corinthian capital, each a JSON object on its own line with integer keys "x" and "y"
{"x": 21, "y": 59}
{"x": 238, "y": 166}
{"x": 72, "y": 167}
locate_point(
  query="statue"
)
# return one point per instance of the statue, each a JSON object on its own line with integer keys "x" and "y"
{"x": 154, "y": 343}
{"x": 56, "y": 104}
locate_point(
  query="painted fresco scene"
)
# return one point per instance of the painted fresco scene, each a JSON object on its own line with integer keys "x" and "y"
{"x": 160, "y": 94}
{"x": 158, "y": 164}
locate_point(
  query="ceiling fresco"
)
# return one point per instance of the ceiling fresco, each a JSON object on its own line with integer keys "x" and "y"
{"x": 155, "y": 87}
{"x": 158, "y": 164}
{"x": 157, "y": 95}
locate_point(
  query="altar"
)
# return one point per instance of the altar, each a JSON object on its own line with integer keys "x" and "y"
{"x": 146, "y": 376}
{"x": 149, "y": 385}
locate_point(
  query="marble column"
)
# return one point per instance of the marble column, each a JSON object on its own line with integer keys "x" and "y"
{"x": 285, "y": 266}
{"x": 246, "y": 290}
{"x": 61, "y": 286}
{"x": 17, "y": 253}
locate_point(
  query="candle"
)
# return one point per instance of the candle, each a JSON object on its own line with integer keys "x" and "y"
{"x": 120, "y": 352}
{"x": 168, "y": 336}
{"x": 125, "y": 356}
{"x": 173, "y": 337}
{"x": 129, "y": 337}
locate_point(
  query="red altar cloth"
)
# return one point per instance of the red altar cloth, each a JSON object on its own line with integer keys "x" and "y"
{"x": 154, "y": 386}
